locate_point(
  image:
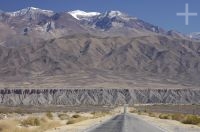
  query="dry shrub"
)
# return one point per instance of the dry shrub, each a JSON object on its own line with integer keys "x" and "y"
{"x": 31, "y": 121}
{"x": 164, "y": 116}
{"x": 99, "y": 114}
{"x": 12, "y": 126}
{"x": 152, "y": 114}
{"x": 41, "y": 124}
{"x": 76, "y": 119}
{"x": 76, "y": 116}
{"x": 191, "y": 119}
{"x": 178, "y": 117}
{"x": 63, "y": 116}
{"x": 49, "y": 115}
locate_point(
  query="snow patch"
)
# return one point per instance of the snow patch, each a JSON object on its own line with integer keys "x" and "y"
{"x": 112, "y": 14}
{"x": 78, "y": 14}
{"x": 115, "y": 13}
{"x": 31, "y": 10}
{"x": 195, "y": 35}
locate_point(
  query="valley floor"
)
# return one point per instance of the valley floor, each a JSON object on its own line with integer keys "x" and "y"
{"x": 159, "y": 124}
{"x": 168, "y": 125}
{"x": 84, "y": 121}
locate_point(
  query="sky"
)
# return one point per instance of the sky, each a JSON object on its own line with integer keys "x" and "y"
{"x": 158, "y": 12}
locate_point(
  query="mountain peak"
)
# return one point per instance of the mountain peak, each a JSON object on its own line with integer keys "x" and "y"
{"x": 78, "y": 14}
{"x": 30, "y": 10}
{"x": 115, "y": 13}
{"x": 194, "y": 35}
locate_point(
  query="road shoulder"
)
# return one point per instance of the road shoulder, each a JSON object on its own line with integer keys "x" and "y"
{"x": 168, "y": 125}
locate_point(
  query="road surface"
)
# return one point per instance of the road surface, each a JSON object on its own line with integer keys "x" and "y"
{"x": 126, "y": 123}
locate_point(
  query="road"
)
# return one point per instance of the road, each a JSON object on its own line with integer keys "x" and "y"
{"x": 126, "y": 123}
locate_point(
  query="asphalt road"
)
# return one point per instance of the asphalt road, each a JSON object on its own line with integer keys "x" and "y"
{"x": 126, "y": 123}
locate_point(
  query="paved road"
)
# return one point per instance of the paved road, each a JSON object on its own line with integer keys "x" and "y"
{"x": 126, "y": 123}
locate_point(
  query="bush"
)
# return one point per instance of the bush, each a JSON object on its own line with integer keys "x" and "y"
{"x": 63, "y": 116}
{"x": 76, "y": 119}
{"x": 31, "y": 121}
{"x": 76, "y": 116}
{"x": 71, "y": 122}
{"x": 177, "y": 117}
{"x": 99, "y": 114}
{"x": 49, "y": 115}
{"x": 152, "y": 114}
{"x": 164, "y": 116}
{"x": 191, "y": 119}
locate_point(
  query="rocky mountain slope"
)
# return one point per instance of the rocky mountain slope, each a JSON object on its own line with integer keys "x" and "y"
{"x": 34, "y": 23}
{"x": 74, "y": 97}
{"x": 121, "y": 54}
{"x": 160, "y": 55}
{"x": 195, "y": 36}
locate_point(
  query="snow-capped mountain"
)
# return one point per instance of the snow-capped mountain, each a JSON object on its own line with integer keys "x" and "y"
{"x": 44, "y": 42}
{"x": 80, "y": 15}
{"x": 37, "y": 24}
{"x": 113, "y": 14}
{"x": 117, "y": 23}
{"x": 115, "y": 20}
{"x": 111, "y": 19}
{"x": 30, "y": 11}
{"x": 195, "y": 35}
{"x": 47, "y": 22}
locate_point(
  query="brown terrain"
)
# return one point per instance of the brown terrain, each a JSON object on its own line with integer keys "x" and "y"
{"x": 43, "y": 54}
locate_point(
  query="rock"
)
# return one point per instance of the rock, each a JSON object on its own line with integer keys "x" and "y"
{"x": 74, "y": 97}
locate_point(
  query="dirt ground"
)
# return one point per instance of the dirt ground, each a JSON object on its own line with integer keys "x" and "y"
{"x": 183, "y": 109}
{"x": 168, "y": 125}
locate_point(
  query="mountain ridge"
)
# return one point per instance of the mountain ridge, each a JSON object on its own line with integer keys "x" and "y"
{"x": 41, "y": 45}
{"x": 49, "y": 58}
{"x": 51, "y": 13}
{"x": 117, "y": 19}
{"x": 28, "y": 10}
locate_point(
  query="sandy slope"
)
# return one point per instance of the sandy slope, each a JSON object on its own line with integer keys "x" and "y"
{"x": 84, "y": 125}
